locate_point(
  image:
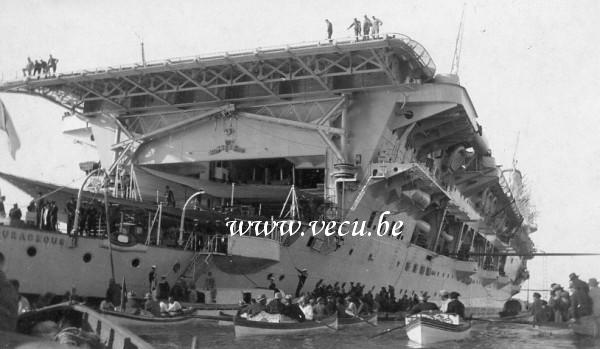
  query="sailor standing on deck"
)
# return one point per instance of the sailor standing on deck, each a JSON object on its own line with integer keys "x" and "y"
{"x": 211, "y": 285}
{"x": 329, "y": 29}
{"x": 152, "y": 278}
{"x": 366, "y": 27}
{"x": 356, "y": 25}
{"x": 376, "y": 24}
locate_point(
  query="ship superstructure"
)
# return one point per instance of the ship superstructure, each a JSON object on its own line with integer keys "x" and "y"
{"x": 355, "y": 128}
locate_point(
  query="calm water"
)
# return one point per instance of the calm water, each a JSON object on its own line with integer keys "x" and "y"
{"x": 484, "y": 335}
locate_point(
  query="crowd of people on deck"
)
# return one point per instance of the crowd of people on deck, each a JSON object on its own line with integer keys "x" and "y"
{"x": 40, "y": 67}
{"x": 581, "y": 299}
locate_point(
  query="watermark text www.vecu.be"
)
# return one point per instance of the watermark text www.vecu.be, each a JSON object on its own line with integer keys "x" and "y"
{"x": 328, "y": 228}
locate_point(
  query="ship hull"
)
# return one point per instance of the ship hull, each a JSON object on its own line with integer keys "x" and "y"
{"x": 57, "y": 265}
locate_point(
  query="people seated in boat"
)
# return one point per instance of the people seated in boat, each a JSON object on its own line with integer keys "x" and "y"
{"x": 455, "y": 306}
{"x": 174, "y": 307}
{"x": 351, "y": 308}
{"x": 538, "y": 309}
{"x": 257, "y": 307}
{"x": 151, "y": 305}
{"x": 106, "y": 305}
{"x": 595, "y": 296}
{"x": 275, "y": 306}
{"x": 330, "y": 305}
{"x": 320, "y": 310}
{"x": 163, "y": 289}
{"x": 132, "y": 306}
{"x": 307, "y": 305}
{"x": 445, "y": 297}
{"x": 423, "y": 305}
{"x": 9, "y": 301}
{"x": 292, "y": 310}
{"x": 164, "y": 307}
{"x": 581, "y": 304}
{"x": 24, "y": 305}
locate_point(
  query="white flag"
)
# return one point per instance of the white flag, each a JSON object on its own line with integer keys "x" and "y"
{"x": 8, "y": 127}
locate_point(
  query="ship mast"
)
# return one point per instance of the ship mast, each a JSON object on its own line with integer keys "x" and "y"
{"x": 458, "y": 44}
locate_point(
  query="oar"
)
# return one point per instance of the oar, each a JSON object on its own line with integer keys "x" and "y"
{"x": 364, "y": 320}
{"x": 387, "y": 331}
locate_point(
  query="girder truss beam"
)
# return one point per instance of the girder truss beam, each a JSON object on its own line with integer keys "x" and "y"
{"x": 315, "y": 73}
{"x": 169, "y": 128}
{"x": 286, "y": 122}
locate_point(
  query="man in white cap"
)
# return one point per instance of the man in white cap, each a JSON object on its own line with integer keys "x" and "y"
{"x": 595, "y": 296}
{"x": 444, "y": 295}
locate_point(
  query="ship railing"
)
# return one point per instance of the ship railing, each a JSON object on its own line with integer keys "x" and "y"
{"x": 419, "y": 53}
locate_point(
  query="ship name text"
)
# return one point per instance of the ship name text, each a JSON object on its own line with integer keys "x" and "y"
{"x": 46, "y": 239}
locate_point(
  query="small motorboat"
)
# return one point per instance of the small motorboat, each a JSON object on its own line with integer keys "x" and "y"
{"x": 431, "y": 327}
{"x": 74, "y": 324}
{"x": 345, "y": 322}
{"x": 278, "y": 325}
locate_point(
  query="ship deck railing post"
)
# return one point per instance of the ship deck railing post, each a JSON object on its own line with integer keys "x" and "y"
{"x": 180, "y": 240}
{"x": 159, "y": 211}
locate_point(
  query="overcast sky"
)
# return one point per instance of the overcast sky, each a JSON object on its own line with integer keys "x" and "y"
{"x": 530, "y": 67}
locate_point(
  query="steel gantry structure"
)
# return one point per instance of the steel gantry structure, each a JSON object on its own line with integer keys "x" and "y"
{"x": 278, "y": 73}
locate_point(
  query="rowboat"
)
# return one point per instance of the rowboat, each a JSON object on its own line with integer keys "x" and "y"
{"x": 244, "y": 327}
{"x": 553, "y": 329}
{"x": 80, "y": 323}
{"x": 128, "y": 319}
{"x": 587, "y": 326}
{"x": 345, "y": 322}
{"x": 427, "y": 328}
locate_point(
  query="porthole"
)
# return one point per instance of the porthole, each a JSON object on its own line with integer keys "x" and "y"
{"x": 87, "y": 257}
{"x": 350, "y": 252}
{"x": 31, "y": 251}
{"x": 135, "y": 262}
